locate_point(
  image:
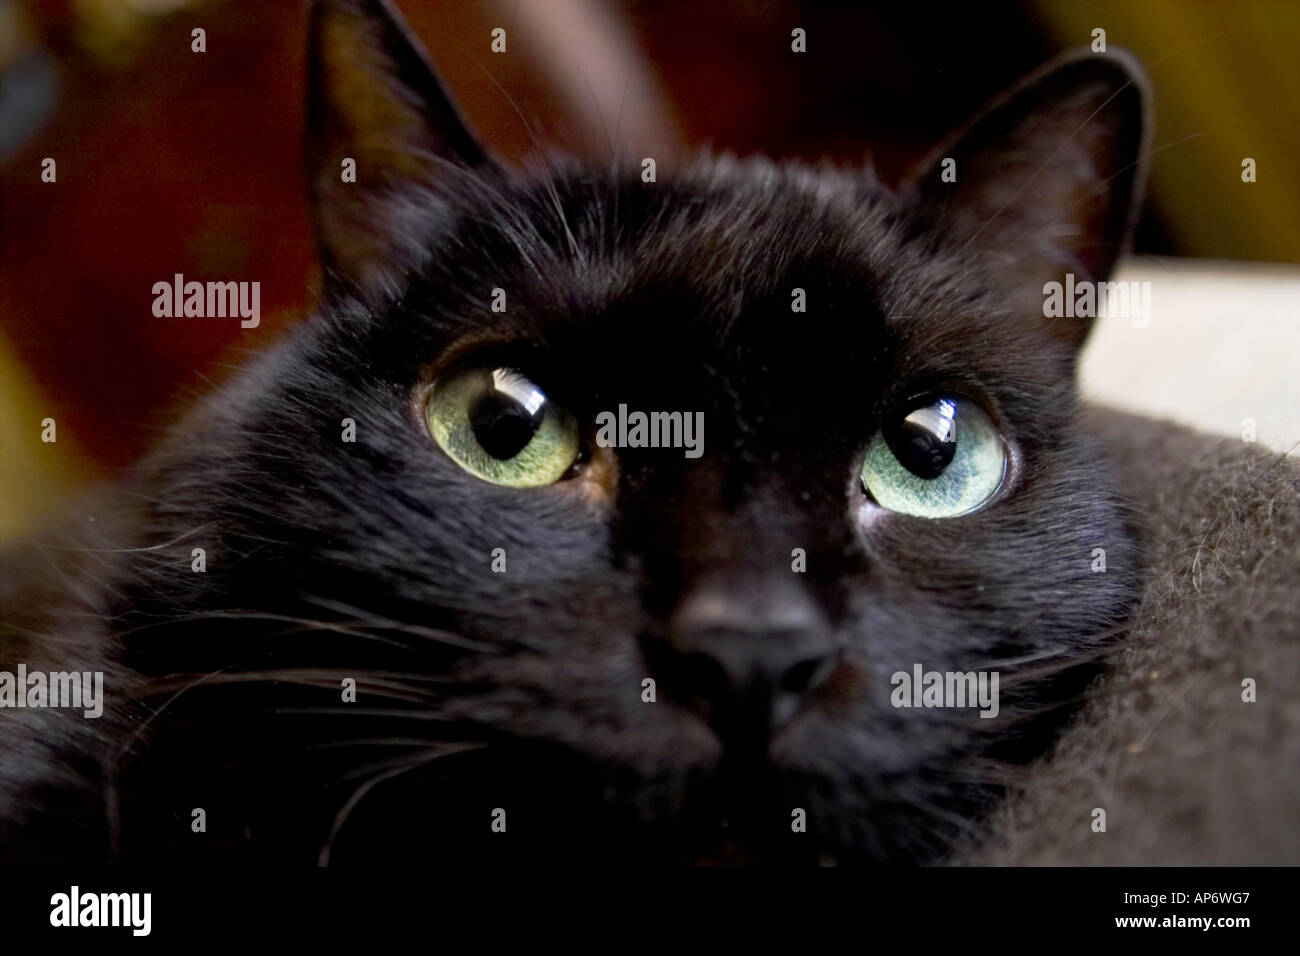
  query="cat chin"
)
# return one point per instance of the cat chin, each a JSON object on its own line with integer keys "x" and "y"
{"x": 786, "y": 811}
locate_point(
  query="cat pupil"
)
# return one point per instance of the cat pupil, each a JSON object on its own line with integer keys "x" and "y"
{"x": 507, "y": 415}
{"x": 925, "y": 440}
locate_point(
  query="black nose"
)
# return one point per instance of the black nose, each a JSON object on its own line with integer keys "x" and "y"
{"x": 744, "y": 658}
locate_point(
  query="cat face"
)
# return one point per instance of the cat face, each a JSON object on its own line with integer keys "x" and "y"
{"x": 633, "y": 649}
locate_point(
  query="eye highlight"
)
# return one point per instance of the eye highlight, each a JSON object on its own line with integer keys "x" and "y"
{"x": 498, "y": 425}
{"x": 937, "y": 457}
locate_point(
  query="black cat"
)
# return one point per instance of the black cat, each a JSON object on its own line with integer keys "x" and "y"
{"x": 564, "y": 647}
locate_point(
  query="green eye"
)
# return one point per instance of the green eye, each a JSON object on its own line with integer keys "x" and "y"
{"x": 936, "y": 458}
{"x": 499, "y": 426}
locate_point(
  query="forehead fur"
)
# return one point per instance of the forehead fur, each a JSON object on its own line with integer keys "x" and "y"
{"x": 701, "y": 268}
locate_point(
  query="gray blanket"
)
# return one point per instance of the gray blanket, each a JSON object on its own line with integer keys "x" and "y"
{"x": 1187, "y": 772}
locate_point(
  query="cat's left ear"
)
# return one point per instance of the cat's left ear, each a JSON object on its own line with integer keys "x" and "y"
{"x": 380, "y": 126}
{"x": 1049, "y": 176}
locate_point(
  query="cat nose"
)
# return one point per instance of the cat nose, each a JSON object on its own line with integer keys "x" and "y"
{"x": 745, "y": 659}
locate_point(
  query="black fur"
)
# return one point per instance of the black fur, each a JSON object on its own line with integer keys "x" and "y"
{"x": 522, "y": 690}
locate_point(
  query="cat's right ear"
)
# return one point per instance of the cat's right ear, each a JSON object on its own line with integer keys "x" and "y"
{"x": 380, "y": 125}
{"x": 1048, "y": 178}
